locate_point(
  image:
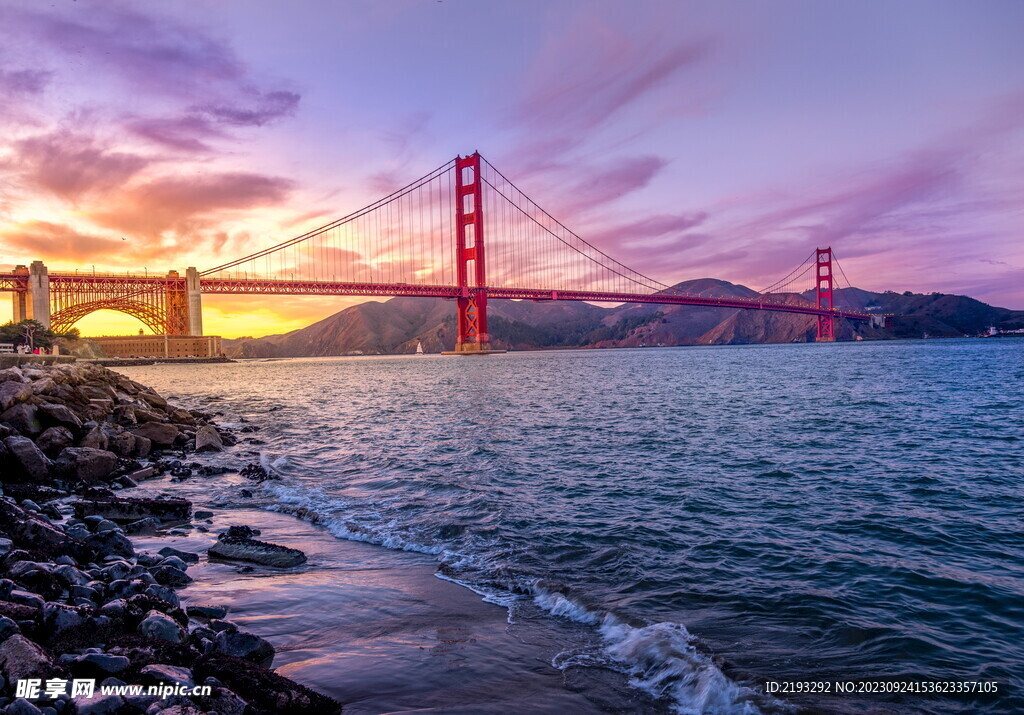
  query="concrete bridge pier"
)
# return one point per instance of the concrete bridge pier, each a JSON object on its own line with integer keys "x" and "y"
{"x": 20, "y": 304}
{"x": 38, "y": 297}
{"x": 19, "y": 299}
{"x": 195, "y": 301}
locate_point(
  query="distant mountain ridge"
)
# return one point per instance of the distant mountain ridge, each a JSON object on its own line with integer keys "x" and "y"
{"x": 398, "y": 324}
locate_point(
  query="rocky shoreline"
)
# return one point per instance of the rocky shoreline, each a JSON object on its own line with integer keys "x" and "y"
{"x": 77, "y": 601}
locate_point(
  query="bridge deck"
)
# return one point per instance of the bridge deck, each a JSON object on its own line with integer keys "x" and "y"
{"x": 19, "y": 282}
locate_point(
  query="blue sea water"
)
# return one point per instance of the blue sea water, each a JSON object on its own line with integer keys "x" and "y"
{"x": 704, "y": 520}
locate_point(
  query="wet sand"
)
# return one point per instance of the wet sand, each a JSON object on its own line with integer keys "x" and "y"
{"x": 372, "y": 627}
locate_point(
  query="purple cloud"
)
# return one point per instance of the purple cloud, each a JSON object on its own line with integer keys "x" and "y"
{"x": 163, "y": 56}
{"x": 915, "y": 215}
{"x": 584, "y": 77}
{"x": 151, "y": 52}
{"x": 24, "y": 82}
{"x": 263, "y": 108}
{"x": 602, "y": 79}
{"x": 870, "y": 204}
{"x": 187, "y": 133}
{"x": 643, "y": 231}
{"x": 604, "y": 186}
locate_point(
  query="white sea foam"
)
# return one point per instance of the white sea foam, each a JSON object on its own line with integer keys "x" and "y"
{"x": 662, "y": 660}
{"x": 659, "y": 658}
{"x": 498, "y": 598}
{"x": 557, "y": 604}
{"x": 304, "y": 503}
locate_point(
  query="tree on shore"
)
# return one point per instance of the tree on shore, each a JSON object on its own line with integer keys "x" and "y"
{"x": 32, "y": 333}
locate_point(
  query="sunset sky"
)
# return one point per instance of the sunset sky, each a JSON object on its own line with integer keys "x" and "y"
{"x": 688, "y": 139}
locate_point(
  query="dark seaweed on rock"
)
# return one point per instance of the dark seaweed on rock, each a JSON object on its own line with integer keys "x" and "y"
{"x": 264, "y": 689}
{"x": 257, "y": 473}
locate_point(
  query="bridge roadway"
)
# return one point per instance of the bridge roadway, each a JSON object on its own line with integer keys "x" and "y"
{"x": 128, "y": 283}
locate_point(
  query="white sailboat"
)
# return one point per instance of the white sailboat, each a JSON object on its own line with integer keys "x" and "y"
{"x": 419, "y": 347}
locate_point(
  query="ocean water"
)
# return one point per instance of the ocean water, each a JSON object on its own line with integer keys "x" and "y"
{"x": 702, "y": 521}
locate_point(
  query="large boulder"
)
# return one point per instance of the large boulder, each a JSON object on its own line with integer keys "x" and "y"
{"x": 33, "y": 532}
{"x": 168, "y": 575}
{"x": 160, "y": 626}
{"x": 122, "y": 443}
{"x": 55, "y": 414}
{"x": 20, "y": 658}
{"x": 154, "y": 400}
{"x": 85, "y": 464}
{"x": 206, "y": 612}
{"x": 27, "y": 462}
{"x": 12, "y": 374}
{"x": 13, "y": 392}
{"x": 8, "y": 628}
{"x": 142, "y": 446}
{"x": 142, "y": 416}
{"x": 243, "y": 644}
{"x": 94, "y": 437}
{"x": 54, "y": 439}
{"x": 110, "y": 543}
{"x": 260, "y": 552}
{"x": 59, "y": 617}
{"x": 208, "y": 440}
{"x": 161, "y": 434}
{"x": 24, "y": 418}
{"x": 44, "y": 386}
{"x": 182, "y": 417}
{"x": 124, "y": 415}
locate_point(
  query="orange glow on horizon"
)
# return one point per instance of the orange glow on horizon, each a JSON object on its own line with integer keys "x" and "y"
{"x": 230, "y": 316}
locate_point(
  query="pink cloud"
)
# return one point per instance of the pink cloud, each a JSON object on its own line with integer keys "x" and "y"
{"x": 70, "y": 165}
{"x": 185, "y": 204}
{"x": 45, "y": 240}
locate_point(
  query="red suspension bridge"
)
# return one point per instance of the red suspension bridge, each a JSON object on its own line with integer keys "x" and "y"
{"x": 464, "y": 232}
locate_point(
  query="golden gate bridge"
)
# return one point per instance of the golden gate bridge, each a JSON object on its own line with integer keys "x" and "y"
{"x": 463, "y": 232}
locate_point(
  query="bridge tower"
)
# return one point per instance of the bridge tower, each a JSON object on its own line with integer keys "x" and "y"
{"x": 38, "y": 302}
{"x": 823, "y": 292}
{"x": 195, "y": 301}
{"x": 469, "y": 257}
